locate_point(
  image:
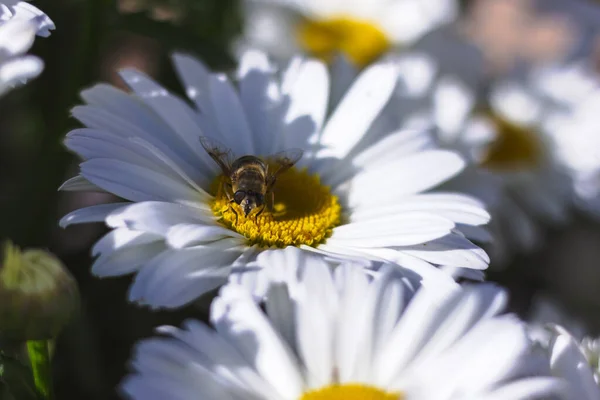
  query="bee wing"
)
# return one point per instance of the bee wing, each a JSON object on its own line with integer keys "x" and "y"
{"x": 285, "y": 160}
{"x": 218, "y": 152}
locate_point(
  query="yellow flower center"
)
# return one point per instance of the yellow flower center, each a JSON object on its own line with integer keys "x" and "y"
{"x": 515, "y": 147}
{"x": 304, "y": 212}
{"x": 361, "y": 41}
{"x": 350, "y": 392}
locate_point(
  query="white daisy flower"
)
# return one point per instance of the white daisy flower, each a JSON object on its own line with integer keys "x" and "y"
{"x": 177, "y": 227}
{"x": 534, "y": 188}
{"x": 344, "y": 336}
{"x": 19, "y": 23}
{"x": 576, "y": 363}
{"x": 574, "y": 129}
{"x": 513, "y": 160}
{"x": 362, "y": 30}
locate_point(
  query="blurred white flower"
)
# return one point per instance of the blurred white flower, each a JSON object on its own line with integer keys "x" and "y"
{"x": 573, "y": 353}
{"x": 346, "y": 198}
{"x": 19, "y": 23}
{"x": 500, "y": 129}
{"x": 362, "y": 30}
{"x": 575, "y": 89}
{"x": 342, "y": 335}
{"x": 532, "y": 189}
{"x": 577, "y": 363}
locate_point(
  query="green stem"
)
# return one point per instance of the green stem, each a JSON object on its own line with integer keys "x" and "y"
{"x": 39, "y": 356}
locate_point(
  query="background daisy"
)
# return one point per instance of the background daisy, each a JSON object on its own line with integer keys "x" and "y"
{"x": 19, "y": 23}
{"x": 331, "y": 335}
{"x": 576, "y": 362}
{"x": 501, "y": 129}
{"x": 361, "y": 30}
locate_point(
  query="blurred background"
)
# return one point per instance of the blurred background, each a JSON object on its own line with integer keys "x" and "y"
{"x": 95, "y": 38}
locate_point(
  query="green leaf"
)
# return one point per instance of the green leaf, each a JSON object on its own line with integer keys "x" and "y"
{"x": 39, "y": 357}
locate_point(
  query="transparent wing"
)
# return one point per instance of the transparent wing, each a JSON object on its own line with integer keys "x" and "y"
{"x": 285, "y": 160}
{"x": 218, "y": 152}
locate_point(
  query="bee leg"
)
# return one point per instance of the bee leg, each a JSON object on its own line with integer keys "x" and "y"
{"x": 228, "y": 188}
{"x": 228, "y": 191}
{"x": 235, "y": 212}
{"x": 261, "y": 210}
{"x": 272, "y": 202}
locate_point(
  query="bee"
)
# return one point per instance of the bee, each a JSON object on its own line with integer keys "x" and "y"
{"x": 249, "y": 179}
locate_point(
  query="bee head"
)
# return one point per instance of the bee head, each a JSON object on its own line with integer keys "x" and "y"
{"x": 249, "y": 200}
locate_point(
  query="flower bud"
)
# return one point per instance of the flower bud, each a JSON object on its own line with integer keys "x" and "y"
{"x": 38, "y": 296}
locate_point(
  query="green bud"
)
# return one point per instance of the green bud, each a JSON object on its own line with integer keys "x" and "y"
{"x": 38, "y": 296}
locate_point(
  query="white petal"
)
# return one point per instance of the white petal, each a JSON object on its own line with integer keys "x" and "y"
{"x": 26, "y": 11}
{"x": 120, "y": 113}
{"x": 396, "y": 230}
{"x": 16, "y": 37}
{"x": 79, "y": 183}
{"x": 96, "y": 213}
{"x": 567, "y": 361}
{"x": 410, "y": 266}
{"x": 411, "y": 332}
{"x": 120, "y": 238}
{"x": 128, "y": 259}
{"x": 390, "y": 297}
{"x": 307, "y": 91}
{"x": 187, "y": 234}
{"x": 230, "y": 116}
{"x": 18, "y": 71}
{"x": 93, "y": 143}
{"x": 353, "y": 339}
{"x": 391, "y": 147}
{"x": 530, "y": 388}
{"x": 260, "y": 98}
{"x": 189, "y": 366}
{"x": 476, "y": 304}
{"x": 406, "y": 21}
{"x": 343, "y": 73}
{"x": 453, "y": 102}
{"x": 177, "y": 277}
{"x": 455, "y": 207}
{"x": 280, "y": 309}
{"x": 516, "y": 103}
{"x": 357, "y": 110}
{"x": 410, "y": 175}
{"x": 502, "y": 341}
{"x": 172, "y": 109}
{"x": 417, "y": 71}
{"x": 315, "y": 313}
{"x": 452, "y": 250}
{"x": 156, "y": 217}
{"x": 234, "y": 314}
{"x": 217, "y": 352}
{"x": 136, "y": 183}
{"x": 283, "y": 266}
{"x": 195, "y": 76}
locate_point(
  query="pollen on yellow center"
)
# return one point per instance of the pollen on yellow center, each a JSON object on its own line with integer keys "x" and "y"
{"x": 350, "y": 392}
{"x": 515, "y": 147}
{"x": 304, "y": 212}
{"x": 361, "y": 41}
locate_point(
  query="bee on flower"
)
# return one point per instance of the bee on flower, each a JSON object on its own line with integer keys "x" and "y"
{"x": 183, "y": 232}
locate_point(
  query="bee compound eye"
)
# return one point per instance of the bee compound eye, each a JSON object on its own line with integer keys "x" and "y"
{"x": 239, "y": 196}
